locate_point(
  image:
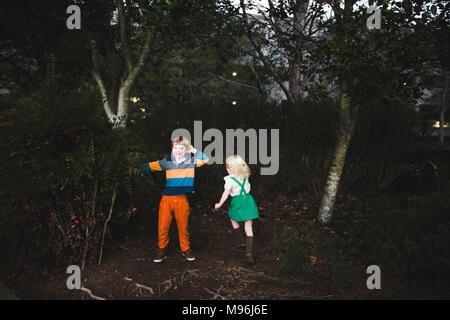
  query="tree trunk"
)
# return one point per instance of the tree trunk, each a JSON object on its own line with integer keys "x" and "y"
{"x": 296, "y": 86}
{"x": 347, "y": 119}
{"x": 441, "y": 125}
{"x": 294, "y": 81}
{"x": 119, "y": 118}
{"x": 122, "y": 106}
{"x": 444, "y": 107}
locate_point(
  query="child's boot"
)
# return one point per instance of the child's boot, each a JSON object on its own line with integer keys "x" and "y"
{"x": 249, "y": 254}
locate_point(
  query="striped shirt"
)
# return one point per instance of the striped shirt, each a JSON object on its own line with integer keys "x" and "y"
{"x": 179, "y": 176}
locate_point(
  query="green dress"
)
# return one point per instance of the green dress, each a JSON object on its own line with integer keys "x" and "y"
{"x": 243, "y": 206}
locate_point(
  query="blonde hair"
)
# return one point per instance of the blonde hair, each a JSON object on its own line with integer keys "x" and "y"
{"x": 181, "y": 140}
{"x": 238, "y": 166}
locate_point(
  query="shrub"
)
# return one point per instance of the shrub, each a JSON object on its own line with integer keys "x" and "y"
{"x": 65, "y": 175}
{"x": 384, "y": 143}
{"x": 312, "y": 252}
{"x": 295, "y": 257}
{"x": 413, "y": 238}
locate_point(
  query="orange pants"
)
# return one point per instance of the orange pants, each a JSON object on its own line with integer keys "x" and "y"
{"x": 180, "y": 207}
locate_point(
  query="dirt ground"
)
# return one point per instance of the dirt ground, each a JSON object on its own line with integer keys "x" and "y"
{"x": 219, "y": 272}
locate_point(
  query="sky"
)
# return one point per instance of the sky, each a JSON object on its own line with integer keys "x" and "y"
{"x": 327, "y": 7}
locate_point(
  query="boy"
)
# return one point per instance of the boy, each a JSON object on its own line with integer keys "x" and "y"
{"x": 180, "y": 169}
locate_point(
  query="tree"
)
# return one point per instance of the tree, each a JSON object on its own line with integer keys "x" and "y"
{"x": 116, "y": 96}
{"x": 369, "y": 65}
{"x": 145, "y": 29}
{"x": 279, "y": 39}
{"x": 436, "y": 78}
{"x": 36, "y": 46}
{"x": 439, "y": 97}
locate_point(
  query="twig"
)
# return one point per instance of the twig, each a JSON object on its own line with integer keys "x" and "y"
{"x": 168, "y": 286}
{"x": 305, "y": 297}
{"x": 192, "y": 271}
{"x": 231, "y": 81}
{"x": 182, "y": 275}
{"x": 319, "y": 297}
{"x": 124, "y": 288}
{"x": 113, "y": 200}
{"x": 89, "y": 292}
{"x": 262, "y": 274}
{"x": 57, "y": 222}
{"x": 93, "y": 202}
{"x": 216, "y": 294}
{"x": 139, "y": 286}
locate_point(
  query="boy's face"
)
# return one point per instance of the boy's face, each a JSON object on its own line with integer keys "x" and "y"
{"x": 179, "y": 151}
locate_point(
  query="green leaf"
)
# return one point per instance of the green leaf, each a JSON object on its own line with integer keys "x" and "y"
{"x": 433, "y": 9}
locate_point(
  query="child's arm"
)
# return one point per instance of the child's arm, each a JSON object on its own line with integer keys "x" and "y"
{"x": 200, "y": 156}
{"x": 225, "y": 195}
{"x": 151, "y": 166}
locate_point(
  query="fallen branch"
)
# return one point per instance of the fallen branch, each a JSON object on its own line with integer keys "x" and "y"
{"x": 182, "y": 275}
{"x": 168, "y": 286}
{"x": 89, "y": 292}
{"x": 290, "y": 296}
{"x": 216, "y": 294}
{"x": 139, "y": 287}
{"x": 192, "y": 272}
{"x": 261, "y": 274}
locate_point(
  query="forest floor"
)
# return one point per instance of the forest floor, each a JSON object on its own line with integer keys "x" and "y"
{"x": 219, "y": 272}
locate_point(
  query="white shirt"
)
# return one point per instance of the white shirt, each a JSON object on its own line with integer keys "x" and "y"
{"x": 235, "y": 188}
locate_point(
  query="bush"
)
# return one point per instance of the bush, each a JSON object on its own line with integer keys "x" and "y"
{"x": 308, "y": 134}
{"x": 295, "y": 256}
{"x": 413, "y": 237}
{"x": 384, "y": 143}
{"x": 313, "y": 252}
{"x": 64, "y": 172}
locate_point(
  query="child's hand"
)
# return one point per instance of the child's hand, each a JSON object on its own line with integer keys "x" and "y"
{"x": 191, "y": 149}
{"x": 217, "y": 206}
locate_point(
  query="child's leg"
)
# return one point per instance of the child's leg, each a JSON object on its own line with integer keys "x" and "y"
{"x": 164, "y": 221}
{"x": 248, "y": 225}
{"x": 235, "y": 224}
{"x": 237, "y": 234}
{"x": 181, "y": 212}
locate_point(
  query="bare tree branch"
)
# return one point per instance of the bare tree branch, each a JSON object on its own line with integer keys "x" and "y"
{"x": 261, "y": 55}
{"x": 231, "y": 81}
{"x": 89, "y": 292}
{"x": 98, "y": 78}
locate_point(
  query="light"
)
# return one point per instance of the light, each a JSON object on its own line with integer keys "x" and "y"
{"x": 234, "y": 74}
{"x": 436, "y": 125}
{"x": 135, "y": 99}
{"x": 234, "y": 103}
{"x": 142, "y": 109}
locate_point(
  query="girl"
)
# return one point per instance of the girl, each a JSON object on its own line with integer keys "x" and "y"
{"x": 242, "y": 206}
